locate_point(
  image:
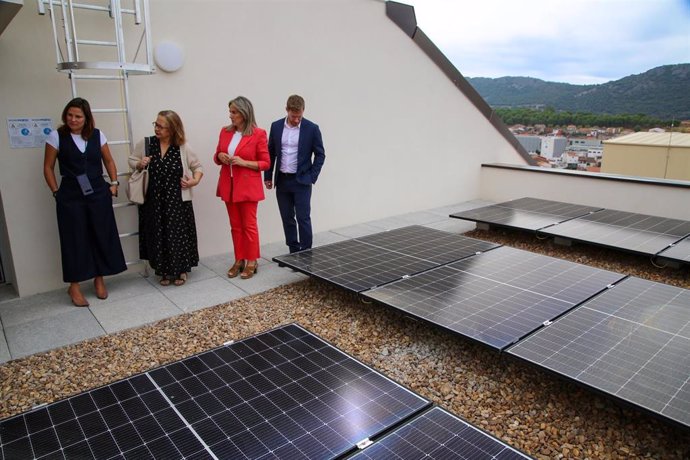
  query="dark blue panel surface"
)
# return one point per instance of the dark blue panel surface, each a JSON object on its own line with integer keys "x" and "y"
{"x": 437, "y": 434}
{"x": 526, "y": 213}
{"x": 496, "y": 297}
{"x": 638, "y": 233}
{"x": 632, "y": 342}
{"x": 678, "y": 252}
{"x": 363, "y": 263}
{"x": 281, "y": 393}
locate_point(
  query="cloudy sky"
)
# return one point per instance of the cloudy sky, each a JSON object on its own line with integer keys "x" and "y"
{"x": 572, "y": 41}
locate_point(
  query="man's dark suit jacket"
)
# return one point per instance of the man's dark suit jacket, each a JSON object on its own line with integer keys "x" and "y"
{"x": 310, "y": 142}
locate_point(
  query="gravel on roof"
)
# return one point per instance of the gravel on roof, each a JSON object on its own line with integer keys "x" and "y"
{"x": 529, "y": 408}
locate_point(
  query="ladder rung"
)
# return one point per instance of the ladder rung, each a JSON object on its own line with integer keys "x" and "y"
{"x": 96, "y": 77}
{"x": 127, "y": 235}
{"x": 108, "y": 110}
{"x": 122, "y": 174}
{"x": 134, "y": 262}
{"x": 124, "y": 205}
{"x": 88, "y": 7}
{"x": 118, "y": 142}
{"x": 95, "y": 42}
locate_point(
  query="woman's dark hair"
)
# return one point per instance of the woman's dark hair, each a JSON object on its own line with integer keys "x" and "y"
{"x": 89, "y": 124}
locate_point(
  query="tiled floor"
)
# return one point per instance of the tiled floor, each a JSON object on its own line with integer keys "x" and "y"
{"x": 45, "y": 321}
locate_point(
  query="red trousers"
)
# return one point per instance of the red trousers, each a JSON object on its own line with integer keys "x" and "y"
{"x": 245, "y": 231}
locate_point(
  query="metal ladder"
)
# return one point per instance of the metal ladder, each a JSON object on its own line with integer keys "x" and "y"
{"x": 94, "y": 62}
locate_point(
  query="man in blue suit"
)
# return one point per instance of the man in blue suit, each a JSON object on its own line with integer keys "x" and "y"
{"x": 297, "y": 155}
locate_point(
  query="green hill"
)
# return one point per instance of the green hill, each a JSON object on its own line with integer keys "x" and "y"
{"x": 662, "y": 92}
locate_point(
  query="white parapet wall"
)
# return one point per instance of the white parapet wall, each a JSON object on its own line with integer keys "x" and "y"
{"x": 632, "y": 194}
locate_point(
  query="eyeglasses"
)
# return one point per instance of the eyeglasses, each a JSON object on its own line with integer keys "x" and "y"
{"x": 157, "y": 126}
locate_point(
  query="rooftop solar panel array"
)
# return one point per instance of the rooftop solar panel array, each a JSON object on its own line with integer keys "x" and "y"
{"x": 437, "y": 434}
{"x": 632, "y": 341}
{"x": 281, "y": 394}
{"x": 526, "y": 213}
{"x": 638, "y": 233}
{"x": 502, "y": 295}
{"x": 363, "y": 263}
{"x": 495, "y": 297}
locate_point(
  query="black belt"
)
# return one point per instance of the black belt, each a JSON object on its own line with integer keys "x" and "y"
{"x": 286, "y": 174}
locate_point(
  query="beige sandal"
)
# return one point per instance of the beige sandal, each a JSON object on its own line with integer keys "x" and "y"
{"x": 181, "y": 280}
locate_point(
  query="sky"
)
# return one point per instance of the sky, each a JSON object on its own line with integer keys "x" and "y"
{"x": 571, "y": 41}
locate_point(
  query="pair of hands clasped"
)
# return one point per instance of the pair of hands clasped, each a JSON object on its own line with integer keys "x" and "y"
{"x": 232, "y": 160}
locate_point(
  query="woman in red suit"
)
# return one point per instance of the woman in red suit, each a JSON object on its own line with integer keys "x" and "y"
{"x": 242, "y": 152}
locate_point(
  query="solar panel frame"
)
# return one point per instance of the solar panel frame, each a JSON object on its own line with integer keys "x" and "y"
{"x": 362, "y": 263}
{"x": 496, "y": 297}
{"x": 631, "y": 343}
{"x": 637, "y": 233}
{"x": 438, "y": 434}
{"x": 265, "y": 395}
{"x": 526, "y": 213}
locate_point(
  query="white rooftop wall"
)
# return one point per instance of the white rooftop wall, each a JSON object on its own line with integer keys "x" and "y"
{"x": 399, "y": 136}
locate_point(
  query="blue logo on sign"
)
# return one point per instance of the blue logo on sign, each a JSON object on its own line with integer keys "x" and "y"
{"x": 25, "y": 131}
{"x": 46, "y": 131}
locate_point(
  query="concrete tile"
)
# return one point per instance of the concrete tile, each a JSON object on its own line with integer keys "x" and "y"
{"x": 31, "y": 308}
{"x": 52, "y": 332}
{"x": 390, "y": 223}
{"x": 132, "y": 285}
{"x": 445, "y": 211}
{"x": 419, "y": 218}
{"x": 271, "y": 250}
{"x": 355, "y": 231}
{"x": 268, "y": 277}
{"x": 324, "y": 238}
{"x": 453, "y": 225}
{"x": 132, "y": 312}
{"x": 4, "y": 349}
{"x": 203, "y": 294}
{"x": 219, "y": 263}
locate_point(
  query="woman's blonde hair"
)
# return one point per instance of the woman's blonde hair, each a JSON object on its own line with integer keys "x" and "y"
{"x": 174, "y": 126}
{"x": 245, "y": 107}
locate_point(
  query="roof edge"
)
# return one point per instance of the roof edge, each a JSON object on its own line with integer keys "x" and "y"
{"x": 403, "y": 16}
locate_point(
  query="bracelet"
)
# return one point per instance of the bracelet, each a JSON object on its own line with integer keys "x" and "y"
{"x": 114, "y": 182}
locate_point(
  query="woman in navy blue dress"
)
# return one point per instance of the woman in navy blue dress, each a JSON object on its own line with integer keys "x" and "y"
{"x": 89, "y": 241}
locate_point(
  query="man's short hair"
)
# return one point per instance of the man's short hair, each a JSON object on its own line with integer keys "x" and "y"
{"x": 295, "y": 102}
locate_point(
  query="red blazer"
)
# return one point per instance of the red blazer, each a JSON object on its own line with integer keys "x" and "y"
{"x": 245, "y": 184}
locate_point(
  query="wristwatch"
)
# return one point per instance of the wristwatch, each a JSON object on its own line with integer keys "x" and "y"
{"x": 114, "y": 182}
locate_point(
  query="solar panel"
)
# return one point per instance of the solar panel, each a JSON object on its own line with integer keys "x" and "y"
{"x": 679, "y": 252}
{"x": 496, "y": 297}
{"x": 632, "y": 342}
{"x": 437, "y": 434}
{"x": 282, "y": 394}
{"x": 639, "y": 233}
{"x": 362, "y": 263}
{"x": 526, "y": 213}
{"x": 428, "y": 244}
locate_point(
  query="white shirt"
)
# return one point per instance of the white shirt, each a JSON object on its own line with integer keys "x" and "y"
{"x": 289, "y": 143}
{"x": 53, "y": 140}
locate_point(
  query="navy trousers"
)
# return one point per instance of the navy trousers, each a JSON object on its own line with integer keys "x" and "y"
{"x": 294, "y": 202}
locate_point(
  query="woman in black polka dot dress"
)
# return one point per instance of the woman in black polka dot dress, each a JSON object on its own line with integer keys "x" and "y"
{"x": 167, "y": 230}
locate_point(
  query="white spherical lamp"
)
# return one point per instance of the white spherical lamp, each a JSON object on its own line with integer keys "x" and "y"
{"x": 168, "y": 56}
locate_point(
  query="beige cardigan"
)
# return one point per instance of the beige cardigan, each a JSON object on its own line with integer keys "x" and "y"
{"x": 190, "y": 164}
